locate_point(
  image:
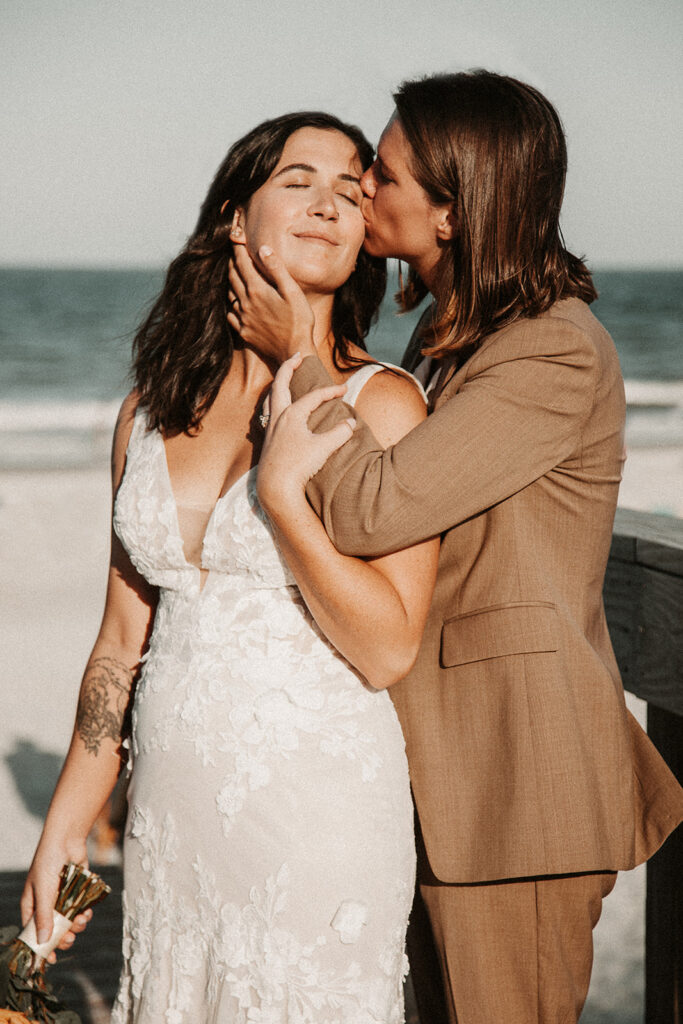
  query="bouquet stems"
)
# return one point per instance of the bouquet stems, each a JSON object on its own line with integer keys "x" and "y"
{"x": 23, "y": 988}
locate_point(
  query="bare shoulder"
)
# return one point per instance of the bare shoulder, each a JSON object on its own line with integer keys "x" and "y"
{"x": 122, "y": 432}
{"x": 391, "y": 403}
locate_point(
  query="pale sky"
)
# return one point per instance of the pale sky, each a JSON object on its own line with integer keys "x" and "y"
{"x": 116, "y": 114}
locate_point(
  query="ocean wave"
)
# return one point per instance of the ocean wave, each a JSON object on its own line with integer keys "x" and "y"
{"x": 94, "y": 414}
{"x": 654, "y": 393}
{"x": 71, "y": 433}
{"x": 48, "y": 416}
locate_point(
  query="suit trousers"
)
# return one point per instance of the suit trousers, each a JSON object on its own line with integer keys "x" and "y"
{"x": 508, "y": 952}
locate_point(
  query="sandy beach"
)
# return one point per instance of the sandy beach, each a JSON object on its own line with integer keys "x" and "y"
{"x": 54, "y": 537}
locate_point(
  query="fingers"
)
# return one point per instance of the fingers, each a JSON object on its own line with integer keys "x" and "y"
{"x": 332, "y": 440}
{"x": 268, "y": 309}
{"x": 280, "y": 395}
{"x": 243, "y": 278}
{"x": 80, "y": 922}
{"x": 66, "y": 942}
{"x": 237, "y": 289}
{"x": 44, "y": 905}
{"x": 245, "y": 275}
{"x": 281, "y": 399}
{"x": 309, "y": 402}
{"x": 249, "y": 272}
{"x": 233, "y": 317}
{"x": 275, "y": 270}
{"x": 27, "y": 904}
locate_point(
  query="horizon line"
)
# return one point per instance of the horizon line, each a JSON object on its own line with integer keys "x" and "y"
{"x": 611, "y": 265}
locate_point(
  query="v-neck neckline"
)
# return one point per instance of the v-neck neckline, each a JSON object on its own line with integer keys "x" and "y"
{"x": 221, "y": 498}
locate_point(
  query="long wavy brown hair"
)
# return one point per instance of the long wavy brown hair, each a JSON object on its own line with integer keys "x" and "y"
{"x": 184, "y": 348}
{"x": 493, "y": 149}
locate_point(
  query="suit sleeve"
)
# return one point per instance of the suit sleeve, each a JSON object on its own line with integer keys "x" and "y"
{"x": 517, "y": 415}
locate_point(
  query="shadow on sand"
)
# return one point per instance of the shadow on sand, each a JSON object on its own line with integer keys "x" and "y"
{"x": 35, "y": 773}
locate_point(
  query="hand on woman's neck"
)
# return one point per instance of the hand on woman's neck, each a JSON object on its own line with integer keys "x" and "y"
{"x": 322, "y": 311}
{"x": 323, "y": 339}
{"x": 255, "y": 368}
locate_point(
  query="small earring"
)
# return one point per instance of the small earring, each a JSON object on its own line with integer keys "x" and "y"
{"x": 235, "y": 231}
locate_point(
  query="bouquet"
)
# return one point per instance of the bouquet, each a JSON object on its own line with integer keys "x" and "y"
{"x": 24, "y": 993}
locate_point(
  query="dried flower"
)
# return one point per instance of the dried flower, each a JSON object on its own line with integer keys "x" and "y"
{"x": 24, "y": 994}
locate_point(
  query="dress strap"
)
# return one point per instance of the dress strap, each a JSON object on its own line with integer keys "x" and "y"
{"x": 357, "y": 381}
{"x": 138, "y": 430}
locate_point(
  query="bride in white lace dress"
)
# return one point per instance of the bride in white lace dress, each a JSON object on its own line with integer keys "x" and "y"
{"x": 269, "y": 862}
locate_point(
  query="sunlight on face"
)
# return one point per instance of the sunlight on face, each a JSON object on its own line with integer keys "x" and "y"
{"x": 308, "y": 211}
{"x": 400, "y": 219}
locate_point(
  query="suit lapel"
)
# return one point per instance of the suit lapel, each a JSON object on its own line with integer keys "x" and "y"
{"x": 413, "y": 354}
{"x": 448, "y": 384}
{"x": 450, "y": 377}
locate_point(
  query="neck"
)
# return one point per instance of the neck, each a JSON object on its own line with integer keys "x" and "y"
{"x": 252, "y": 369}
{"x": 428, "y": 268}
{"x": 322, "y": 328}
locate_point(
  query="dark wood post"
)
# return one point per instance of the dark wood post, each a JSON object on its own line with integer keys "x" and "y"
{"x": 664, "y": 907}
{"x": 644, "y": 605}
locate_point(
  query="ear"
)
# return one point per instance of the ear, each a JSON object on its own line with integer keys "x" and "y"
{"x": 237, "y": 236}
{"x": 445, "y": 224}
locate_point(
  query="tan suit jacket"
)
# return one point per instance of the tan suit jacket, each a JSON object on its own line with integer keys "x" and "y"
{"x": 523, "y": 758}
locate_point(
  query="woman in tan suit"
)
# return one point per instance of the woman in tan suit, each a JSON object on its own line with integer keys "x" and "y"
{"x": 533, "y": 784}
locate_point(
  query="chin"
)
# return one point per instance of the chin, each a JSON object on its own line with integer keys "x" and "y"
{"x": 374, "y": 247}
{"x": 313, "y": 278}
{"x": 316, "y": 286}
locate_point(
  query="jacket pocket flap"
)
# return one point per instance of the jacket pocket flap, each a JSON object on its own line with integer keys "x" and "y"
{"x": 524, "y": 628}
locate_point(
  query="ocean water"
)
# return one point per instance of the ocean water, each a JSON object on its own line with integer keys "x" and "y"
{"x": 65, "y": 338}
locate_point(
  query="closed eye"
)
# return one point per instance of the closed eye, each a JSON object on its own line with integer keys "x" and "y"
{"x": 342, "y": 195}
{"x": 382, "y": 173}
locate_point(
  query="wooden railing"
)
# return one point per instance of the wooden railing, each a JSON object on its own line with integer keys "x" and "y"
{"x": 644, "y": 605}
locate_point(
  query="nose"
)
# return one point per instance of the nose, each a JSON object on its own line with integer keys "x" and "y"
{"x": 368, "y": 182}
{"x": 324, "y": 205}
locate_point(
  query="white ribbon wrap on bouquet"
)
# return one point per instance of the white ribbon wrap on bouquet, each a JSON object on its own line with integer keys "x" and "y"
{"x": 60, "y": 927}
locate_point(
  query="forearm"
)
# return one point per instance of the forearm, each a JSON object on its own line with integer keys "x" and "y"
{"x": 518, "y": 414}
{"x": 95, "y": 755}
{"x": 356, "y": 606}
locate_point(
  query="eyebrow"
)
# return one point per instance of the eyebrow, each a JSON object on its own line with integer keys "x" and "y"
{"x": 314, "y": 170}
{"x": 384, "y": 165}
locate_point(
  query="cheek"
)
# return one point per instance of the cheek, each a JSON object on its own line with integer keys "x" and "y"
{"x": 388, "y": 211}
{"x": 358, "y": 239}
{"x": 258, "y": 231}
{"x": 264, "y": 223}
{"x": 353, "y": 233}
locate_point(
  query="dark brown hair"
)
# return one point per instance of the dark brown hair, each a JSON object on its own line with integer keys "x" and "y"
{"x": 184, "y": 348}
{"x": 493, "y": 149}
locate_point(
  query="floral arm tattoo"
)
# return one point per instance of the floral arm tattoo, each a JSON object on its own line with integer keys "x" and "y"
{"x": 103, "y": 702}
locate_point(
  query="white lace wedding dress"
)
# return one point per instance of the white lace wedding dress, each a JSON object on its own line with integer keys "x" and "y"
{"x": 269, "y": 861}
